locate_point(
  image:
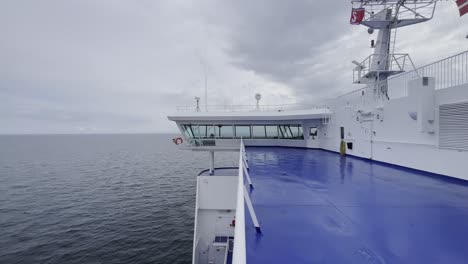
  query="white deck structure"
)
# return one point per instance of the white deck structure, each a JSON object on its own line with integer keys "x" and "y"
{"x": 415, "y": 118}
{"x": 421, "y": 122}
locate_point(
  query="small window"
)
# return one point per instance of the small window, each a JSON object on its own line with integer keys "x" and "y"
{"x": 243, "y": 132}
{"x": 425, "y": 81}
{"x": 271, "y": 131}
{"x": 313, "y": 131}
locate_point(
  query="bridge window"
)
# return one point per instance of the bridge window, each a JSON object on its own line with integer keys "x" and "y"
{"x": 291, "y": 132}
{"x": 271, "y": 131}
{"x": 243, "y": 132}
{"x": 285, "y": 131}
{"x": 211, "y": 131}
{"x": 298, "y": 133}
{"x": 225, "y": 131}
{"x": 199, "y": 131}
{"x": 187, "y": 129}
{"x": 258, "y": 132}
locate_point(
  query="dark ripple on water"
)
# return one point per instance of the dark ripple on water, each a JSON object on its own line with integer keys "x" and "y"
{"x": 97, "y": 199}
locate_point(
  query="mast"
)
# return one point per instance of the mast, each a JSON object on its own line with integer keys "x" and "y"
{"x": 386, "y": 16}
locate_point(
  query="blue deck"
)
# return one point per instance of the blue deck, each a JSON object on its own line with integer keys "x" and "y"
{"x": 315, "y": 206}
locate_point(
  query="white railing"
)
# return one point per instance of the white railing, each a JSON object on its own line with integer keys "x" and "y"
{"x": 246, "y": 108}
{"x": 448, "y": 72}
{"x": 395, "y": 62}
{"x": 239, "y": 252}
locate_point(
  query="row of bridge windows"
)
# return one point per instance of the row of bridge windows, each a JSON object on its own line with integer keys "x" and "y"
{"x": 243, "y": 131}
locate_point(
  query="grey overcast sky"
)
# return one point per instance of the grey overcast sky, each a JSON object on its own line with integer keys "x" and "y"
{"x": 110, "y": 66}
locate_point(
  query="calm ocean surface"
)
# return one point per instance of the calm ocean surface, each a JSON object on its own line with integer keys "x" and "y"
{"x": 98, "y": 198}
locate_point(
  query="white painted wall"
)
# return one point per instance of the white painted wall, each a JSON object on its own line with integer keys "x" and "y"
{"x": 209, "y": 224}
{"x": 395, "y": 137}
{"x": 216, "y": 201}
{"x": 423, "y": 157}
{"x": 381, "y": 130}
{"x": 217, "y": 192}
{"x": 452, "y": 95}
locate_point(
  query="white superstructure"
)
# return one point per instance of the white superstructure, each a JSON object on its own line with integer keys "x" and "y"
{"x": 406, "y": 116}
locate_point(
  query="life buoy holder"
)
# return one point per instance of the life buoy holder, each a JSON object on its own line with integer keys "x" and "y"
{"x": 178, "y": 140}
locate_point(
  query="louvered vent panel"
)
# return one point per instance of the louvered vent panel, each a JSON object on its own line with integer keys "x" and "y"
{"x": 453, "y": 128}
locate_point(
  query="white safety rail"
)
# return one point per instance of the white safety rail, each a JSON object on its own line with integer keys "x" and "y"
{"x": 248, "y": 108}
{"x": 448, "y": 72}
{"x": 396, "y": 63}
{"x": 239, "y": 252}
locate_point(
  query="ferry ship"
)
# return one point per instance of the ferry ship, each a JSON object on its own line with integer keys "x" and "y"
{"x": 378, "y": 175}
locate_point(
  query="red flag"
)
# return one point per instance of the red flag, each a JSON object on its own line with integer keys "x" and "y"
{"x": 462, "y": 6}
{"x": 357, "y": 15}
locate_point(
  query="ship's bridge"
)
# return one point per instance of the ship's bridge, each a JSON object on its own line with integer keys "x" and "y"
{"x": 223, "y": 130}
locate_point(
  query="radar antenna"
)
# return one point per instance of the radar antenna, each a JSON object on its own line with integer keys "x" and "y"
{"x": 386, "y": 16}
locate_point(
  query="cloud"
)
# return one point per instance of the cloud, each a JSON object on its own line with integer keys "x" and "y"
{"x": 123, "y": 66}
{"x": 309, "y": 45}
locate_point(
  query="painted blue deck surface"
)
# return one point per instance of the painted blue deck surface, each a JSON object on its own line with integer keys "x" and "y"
{"x": 317, "y": 207}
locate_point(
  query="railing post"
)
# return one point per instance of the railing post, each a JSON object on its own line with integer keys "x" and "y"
{"x": 247, "y": 176}
{"x": 211, "y": 162}
{"x": 245, "y": 162}
{"x": 251, "y": 210}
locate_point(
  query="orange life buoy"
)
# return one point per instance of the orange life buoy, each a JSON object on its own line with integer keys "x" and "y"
{"x": 178, "y": 140}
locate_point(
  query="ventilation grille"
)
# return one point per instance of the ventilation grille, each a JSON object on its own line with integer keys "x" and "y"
{"x": 453, "y": 128}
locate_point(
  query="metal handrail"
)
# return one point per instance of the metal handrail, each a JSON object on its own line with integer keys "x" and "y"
{"x": 239, "y": 253}
{"x": 395, "y": 62}
{"x": 448, "y": 72}
{"x": 248, "y": 108}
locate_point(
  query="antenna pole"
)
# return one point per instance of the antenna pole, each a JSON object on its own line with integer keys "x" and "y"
{"x": 206, "y": 87}
{"x": 198, "y": 104}
{"x": 258, "y": 97}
